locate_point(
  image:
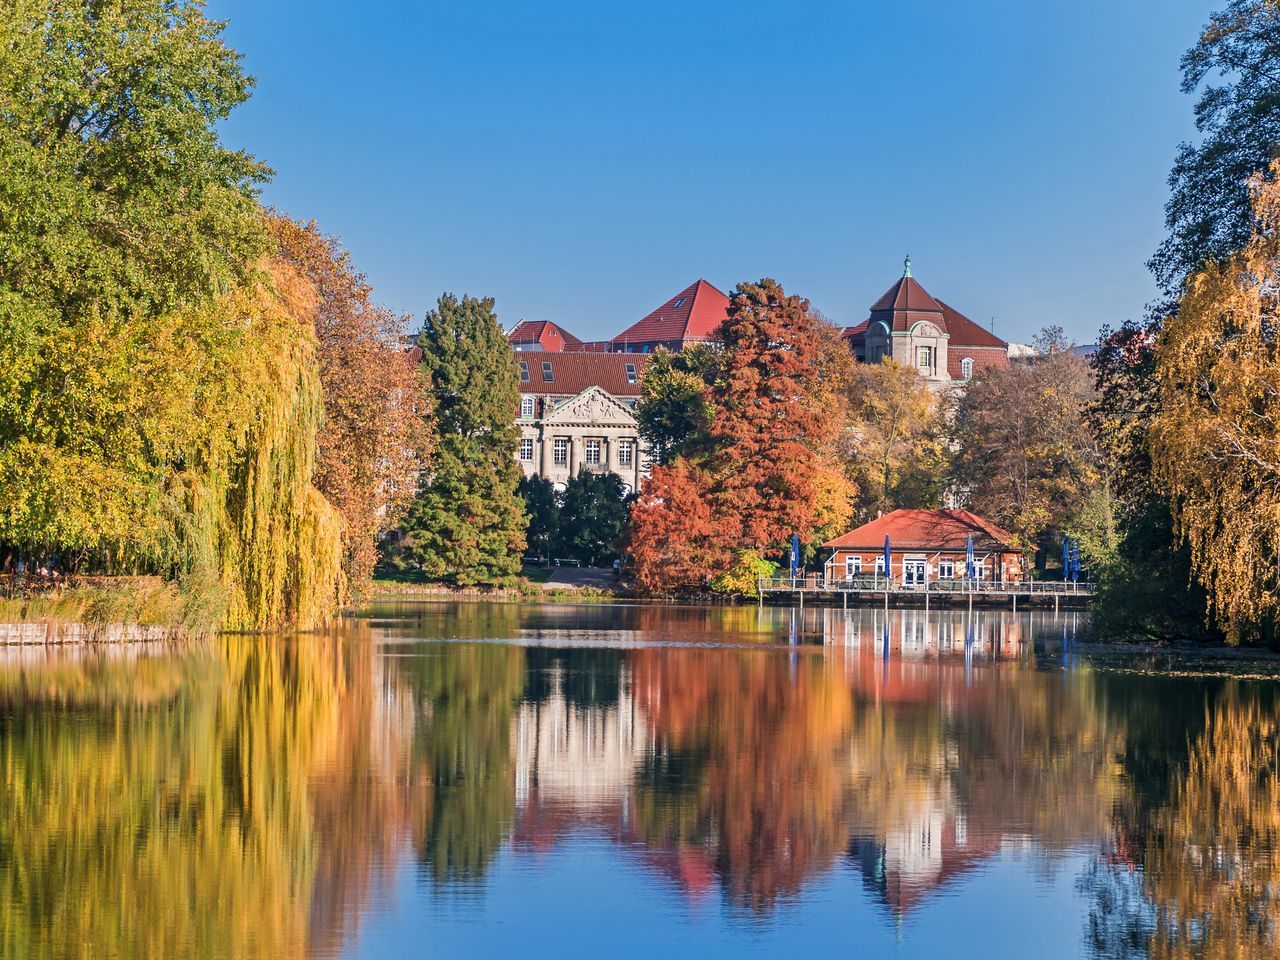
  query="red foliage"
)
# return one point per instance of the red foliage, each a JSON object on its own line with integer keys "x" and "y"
{"x": 675, "y": 541}
{"x": 774, "y": 422}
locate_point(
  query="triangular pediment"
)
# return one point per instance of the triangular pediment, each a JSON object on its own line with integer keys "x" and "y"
{"x": 592, "y": 406}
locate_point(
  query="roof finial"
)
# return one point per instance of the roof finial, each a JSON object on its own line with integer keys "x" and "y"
{"x": 906, "y": 266}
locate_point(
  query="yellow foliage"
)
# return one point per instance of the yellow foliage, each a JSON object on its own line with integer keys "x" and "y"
{"x": 1216, "y": 436}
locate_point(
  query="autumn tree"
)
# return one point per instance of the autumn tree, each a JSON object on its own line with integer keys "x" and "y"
{"x": 675, "y": 411}
{"x": 1023, "y": 454}
{"x": 675, "y": 540}
{"x": 467, "y": 524}
{"x": 160, "y": 395}
{"x": 376, "y": 434}
{"x": 777, "y": 424}
{"x": 897, "y": 448}
{"x": 1216, "y": 433}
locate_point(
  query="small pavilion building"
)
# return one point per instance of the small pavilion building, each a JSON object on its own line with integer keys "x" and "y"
{"x": 924, "y": 546}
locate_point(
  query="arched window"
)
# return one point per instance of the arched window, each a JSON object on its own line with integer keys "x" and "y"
{"x": 966, "y": 369}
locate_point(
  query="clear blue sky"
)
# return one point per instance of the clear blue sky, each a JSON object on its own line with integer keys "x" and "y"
{"x": 582, "y": 162}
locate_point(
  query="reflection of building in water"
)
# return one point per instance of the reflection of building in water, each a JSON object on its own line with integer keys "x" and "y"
{"x": 574, "y": 761}
{"x": 918, "y": 857}
{"x": 999, "y": 634}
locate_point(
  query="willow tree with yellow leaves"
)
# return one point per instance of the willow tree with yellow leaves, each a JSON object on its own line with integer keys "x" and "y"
{"x": 1216, "y": 435}
{"x": 181, "y": 391}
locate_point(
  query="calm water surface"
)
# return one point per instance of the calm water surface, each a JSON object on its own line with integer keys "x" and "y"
{"x": 479, "y": 780}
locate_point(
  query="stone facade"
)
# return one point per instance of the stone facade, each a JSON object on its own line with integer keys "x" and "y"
{"x": 590, "y": 431}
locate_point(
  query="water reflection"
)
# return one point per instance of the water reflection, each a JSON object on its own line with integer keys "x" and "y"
{"x": 255, "y": 798}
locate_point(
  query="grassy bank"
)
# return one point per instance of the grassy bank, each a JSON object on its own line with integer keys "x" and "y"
{"x": 100, "y": 602}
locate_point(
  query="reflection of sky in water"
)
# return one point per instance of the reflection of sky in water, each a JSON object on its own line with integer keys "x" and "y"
{"x": 585, "y": 900}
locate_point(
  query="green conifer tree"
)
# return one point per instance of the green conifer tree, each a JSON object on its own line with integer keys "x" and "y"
{"x": 467, "y": 524}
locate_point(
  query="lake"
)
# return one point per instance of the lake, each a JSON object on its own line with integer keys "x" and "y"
{"x": 557, "y": 780}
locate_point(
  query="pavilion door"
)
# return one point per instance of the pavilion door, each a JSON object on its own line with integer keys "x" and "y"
{"x": 914, "y": 573}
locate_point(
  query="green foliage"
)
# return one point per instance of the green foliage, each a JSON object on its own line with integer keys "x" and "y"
{"x": 674, "y": 413}
{"x": 593, "y": 513}
{"x": 1208, "y": 215}
{"x": 135, "y": 300}
{"x": 742, "y": 579}
{"x": 544, "y": 514}
{"x": 467, "y": 523}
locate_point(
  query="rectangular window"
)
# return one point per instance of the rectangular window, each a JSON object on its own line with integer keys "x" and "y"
{"x": 526, "y": 406}
{"x": 524, "y": 371}
{"x": 880, "y": 564}
{"x": 560, "y": 451}
{"x": 593, "y": 452}
{"x": 547, "y": 375}
{"x": 624, "y": 453}
{"x": 852, "y": 566}
{"x": 946, "y": 569}
{"x": 631, "y": 373}
{"x": 924, "y": 358}
{"x": 526, "y": 449}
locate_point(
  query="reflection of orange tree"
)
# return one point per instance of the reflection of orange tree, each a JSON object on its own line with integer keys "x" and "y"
{"x": 747, "y": 764}
{"x": 163, "y": 806}
{"x": 1210, "y": 863}
{"x": 462, "y": 783}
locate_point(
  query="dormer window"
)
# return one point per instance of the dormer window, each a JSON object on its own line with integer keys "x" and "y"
{"x": 631, "y": 373}
{"x": 524, "y": 371}
{"x": 526, "y": 406}
{"x": 547, "y": 375}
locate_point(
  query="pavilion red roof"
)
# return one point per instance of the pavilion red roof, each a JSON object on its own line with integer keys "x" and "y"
{"x": 927, "y": 530}
{"x": 695, "y": 313}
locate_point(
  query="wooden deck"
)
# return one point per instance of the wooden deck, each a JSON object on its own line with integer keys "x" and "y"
{"x": 876, "y": 591}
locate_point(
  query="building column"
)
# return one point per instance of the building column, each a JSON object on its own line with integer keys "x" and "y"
{"x": 575, "y": 456}
{"x": 545, "y": 457}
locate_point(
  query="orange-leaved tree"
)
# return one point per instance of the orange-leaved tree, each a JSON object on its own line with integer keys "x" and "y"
{"x": 778, "y": 420}
{"x": 675, "y": 540}
{"x": 768, "y": 465}
{"x": 376, "y": 435}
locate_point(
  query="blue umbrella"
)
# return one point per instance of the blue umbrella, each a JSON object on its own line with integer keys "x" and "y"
{"x": 888, "y": 569}
{"x": 968, "y": 558}
{"x": 1075, "y": 563}
{"x": 795, "y": 555}
{"x": 1066, "y": 558}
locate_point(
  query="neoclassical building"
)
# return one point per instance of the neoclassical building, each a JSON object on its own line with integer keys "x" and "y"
{"x": 916, "y": 330}
{"x": 577, "y": 412}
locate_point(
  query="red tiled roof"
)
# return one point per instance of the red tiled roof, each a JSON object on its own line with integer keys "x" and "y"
{"x": 546, "y": 334}
{"x": 926, "y": 530}
{"x": 967, "y": 333}
{"x": 574, "y": 372}
{"x": 907, "y": 294}
{"x": 857, "y": 330}
{"x": 695, "y": 313}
